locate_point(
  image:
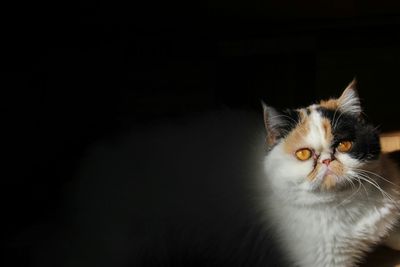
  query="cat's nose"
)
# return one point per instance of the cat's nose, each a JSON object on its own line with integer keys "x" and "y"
{"x": 326, "y": 161}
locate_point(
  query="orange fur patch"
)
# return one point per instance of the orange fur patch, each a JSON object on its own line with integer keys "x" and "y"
{"x": 270, "y": 139}
{"x": 326, "y": 124}
{"x": 329, "y": 182}
{"x": 311, "y": 176}
{"x": 337, "y": 168}
{"x": 296, "y": 136}
{"x": 329, "y": 104}
{"x": 303, "y": 114}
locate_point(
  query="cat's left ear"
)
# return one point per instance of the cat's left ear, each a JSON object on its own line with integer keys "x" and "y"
{"x": 273, "y": 123}
{"x": 349, "y": 102}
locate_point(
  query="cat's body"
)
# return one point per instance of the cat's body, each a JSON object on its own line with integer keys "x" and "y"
{"x": 217, "y": 191}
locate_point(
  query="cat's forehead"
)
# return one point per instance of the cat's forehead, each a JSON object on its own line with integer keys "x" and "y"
{"x": 320, "y": 113}
{"x": 312, "y": 114}
{"x": 323, "y": 108}
{"x": 319, "y": 126}
{"x": 314, "y": 127}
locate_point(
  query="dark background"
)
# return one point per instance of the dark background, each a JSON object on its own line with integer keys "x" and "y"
{"x": 78, "y": 72}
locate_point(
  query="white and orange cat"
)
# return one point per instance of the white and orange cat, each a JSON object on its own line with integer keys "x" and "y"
{"x": 313, "y": 190}
{"x": 329, "y": 190}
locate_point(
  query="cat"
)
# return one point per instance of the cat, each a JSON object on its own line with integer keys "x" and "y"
{"x": 307, "y": 187}
{"x": 329, "y": 190}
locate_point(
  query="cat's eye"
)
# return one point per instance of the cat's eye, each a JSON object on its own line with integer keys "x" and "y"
{"x": 344, "y": 146}
{"x": 303, "y": 154}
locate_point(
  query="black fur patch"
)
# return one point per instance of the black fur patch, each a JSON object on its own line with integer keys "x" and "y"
{"x": 365, "y": 138}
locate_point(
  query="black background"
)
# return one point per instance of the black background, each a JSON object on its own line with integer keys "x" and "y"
{"x": 76, "y": 72}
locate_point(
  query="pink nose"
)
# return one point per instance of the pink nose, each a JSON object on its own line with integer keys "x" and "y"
{"x": 326, "y": 161}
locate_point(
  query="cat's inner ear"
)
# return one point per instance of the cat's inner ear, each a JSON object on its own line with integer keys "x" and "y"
{"x": 273, "y": 122}
{"x": 349, "y": 102}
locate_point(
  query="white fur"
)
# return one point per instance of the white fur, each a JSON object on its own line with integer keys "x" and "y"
{"x": 349, "y": 101}
{"x": 326, "y": 228}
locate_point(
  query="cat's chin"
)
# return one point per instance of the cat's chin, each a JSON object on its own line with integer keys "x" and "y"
{"x": 327, "y": 180}
{"x": 323, "y": 191}
{"x": 322, "y": 196}
{"x": 330, "y": 183}
{"x": 341, "y": 187}
{"x": 318, "y": 196}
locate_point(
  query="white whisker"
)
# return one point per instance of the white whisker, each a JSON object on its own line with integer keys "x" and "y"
{"x": 353, "y": 194}
{"x": 334, "y": 115}
{"x": 337, "y": 121}
{"x": 377, "y": 175}
{"x": 376, "y": 185}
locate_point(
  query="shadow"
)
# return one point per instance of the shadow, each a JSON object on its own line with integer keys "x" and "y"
{"x": 382, "y": 257}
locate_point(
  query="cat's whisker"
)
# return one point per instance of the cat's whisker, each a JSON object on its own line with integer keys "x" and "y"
{"x": 334, "y": 115}
{"x": 365, "y": 174}
{"x": 353, "y": 194}
{"x": 377, "y": 175}
{"x": 368, "y": 179}
{"x": 385, "y": 194}
{"x": 365, "y": 189}
{"x": 350, "y": 181}
{"x": 356, "y": 176}
{"x": 376, "y": 128}
{"x": 337, "y": 121}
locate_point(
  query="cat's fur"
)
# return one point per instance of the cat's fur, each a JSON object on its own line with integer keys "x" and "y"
{"x": 217, "y": 191}
{"x": 328, "y": 217}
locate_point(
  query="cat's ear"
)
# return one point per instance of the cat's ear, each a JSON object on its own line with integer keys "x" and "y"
{"x": 272, "y": 122}
{"x": 349, "y": 102}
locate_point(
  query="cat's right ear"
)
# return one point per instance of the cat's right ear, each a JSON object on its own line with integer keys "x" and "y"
{"x": 272, "y": 122}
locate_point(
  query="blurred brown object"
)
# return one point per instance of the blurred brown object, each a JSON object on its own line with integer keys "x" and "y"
{"x": 390, "y": 141}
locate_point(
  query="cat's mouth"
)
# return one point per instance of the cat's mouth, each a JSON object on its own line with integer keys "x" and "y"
{"x": 330, "y": 179}
{"x": 324, "y": 177}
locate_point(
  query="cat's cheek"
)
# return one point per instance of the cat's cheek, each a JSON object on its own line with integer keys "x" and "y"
{"x": 303, "y": 169}
{"x": 348, "y": 166}
{"x": 285, "y": 170}
{"x": 291, "y": 171}
{"x": 348, "y": 162}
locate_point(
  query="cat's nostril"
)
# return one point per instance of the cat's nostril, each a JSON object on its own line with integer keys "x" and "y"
{"x": 326, "y": 161}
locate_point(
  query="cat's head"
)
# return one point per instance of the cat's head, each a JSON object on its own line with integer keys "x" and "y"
{"x": 322, "y": 146}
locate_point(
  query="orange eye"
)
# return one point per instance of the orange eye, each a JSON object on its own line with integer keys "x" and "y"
{"x": 344, "y": 146}
{"x": 303, "y": 154}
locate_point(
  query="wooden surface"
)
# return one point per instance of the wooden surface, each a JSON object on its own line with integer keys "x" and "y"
{"x": 382, "y": 257}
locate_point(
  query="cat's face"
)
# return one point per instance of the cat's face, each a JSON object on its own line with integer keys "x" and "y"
{"x": 320, "y": 147}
